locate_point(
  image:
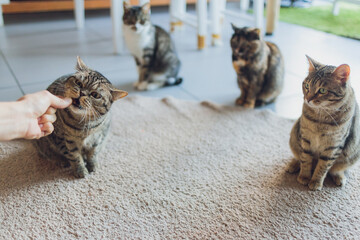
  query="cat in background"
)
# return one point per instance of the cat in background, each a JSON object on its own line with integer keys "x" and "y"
{"x": 326, "y": 138}
{"x": 80, "y": 129}
{"x": 154, "y": 52}
{"x": 259, "y": 66}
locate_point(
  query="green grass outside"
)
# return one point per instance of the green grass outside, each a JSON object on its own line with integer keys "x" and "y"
{"x": 346, "y": 24}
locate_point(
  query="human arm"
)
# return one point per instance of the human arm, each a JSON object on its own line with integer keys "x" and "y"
{"x": 31, "y": 116}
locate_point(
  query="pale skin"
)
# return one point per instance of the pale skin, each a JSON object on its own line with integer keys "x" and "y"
{"x": 31, "y": 116}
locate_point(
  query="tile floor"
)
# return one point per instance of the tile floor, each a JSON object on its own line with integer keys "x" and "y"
{"x": 35, "y": 49}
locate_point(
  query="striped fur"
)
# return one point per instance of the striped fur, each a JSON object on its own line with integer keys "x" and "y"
{"x": 259, "y": 66}
{"x": 154, "y": 52}
{"x": 80, "y": 129}
{"x": 326, "y": 138}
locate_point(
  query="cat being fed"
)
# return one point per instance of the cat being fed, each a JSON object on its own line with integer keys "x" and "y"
{"x": 259, "y": 66}
{"x": 80, "y": 130}
{"x": 326, "y": 138}
{"x": 154, "y": 52}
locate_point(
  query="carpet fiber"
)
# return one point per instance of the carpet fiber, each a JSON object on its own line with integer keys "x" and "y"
{"x": 174, "y": 169}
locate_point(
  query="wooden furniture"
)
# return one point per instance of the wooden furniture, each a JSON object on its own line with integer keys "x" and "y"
{"x": 27, "y": 6}
{"x": 177, "y": 13}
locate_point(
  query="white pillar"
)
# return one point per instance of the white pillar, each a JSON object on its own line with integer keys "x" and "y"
{"x": 117, "y": 12}
{"x": 215, "y": 10}
{"x": 79, "y": 13}
{"x": 259, "y": 13}
{"x": 201, "y": 9}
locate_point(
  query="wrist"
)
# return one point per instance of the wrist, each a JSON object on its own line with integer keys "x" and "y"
{"x": 23, "y": 116}
{"x": 14, "y": 116}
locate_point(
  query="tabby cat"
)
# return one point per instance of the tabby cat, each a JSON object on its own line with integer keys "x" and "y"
{"x": 326, "y": 138}
{"x": 154, "y": 52}
{"x": 259, "y": 66}
{"x": 80, "y": 129}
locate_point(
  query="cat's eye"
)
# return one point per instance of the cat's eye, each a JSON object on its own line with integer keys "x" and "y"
{"x": 95, "y": 95}
{"x": 78, "y": 83}
{"x": 322, "y": 90}
{"x": 306, "y": 85}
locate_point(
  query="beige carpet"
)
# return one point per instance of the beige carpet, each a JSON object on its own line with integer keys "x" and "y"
{"x": 176, "y": 170}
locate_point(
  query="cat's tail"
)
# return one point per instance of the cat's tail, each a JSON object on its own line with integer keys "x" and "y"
{"x": 173, "y": 81}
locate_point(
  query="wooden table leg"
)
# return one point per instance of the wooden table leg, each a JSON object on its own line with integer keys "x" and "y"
{"x": 272, "y": 15}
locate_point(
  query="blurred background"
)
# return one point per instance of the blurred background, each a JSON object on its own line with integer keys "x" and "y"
{"x": 39, "y": 42}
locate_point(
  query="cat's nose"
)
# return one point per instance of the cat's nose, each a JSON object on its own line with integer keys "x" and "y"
{"x": 309, "y": 99}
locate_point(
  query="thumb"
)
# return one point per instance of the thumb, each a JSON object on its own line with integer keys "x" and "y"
{"x": 57, "y": 102}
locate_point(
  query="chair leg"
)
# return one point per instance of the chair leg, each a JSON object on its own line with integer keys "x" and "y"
{"x": 117, "y": 12}
{"x": 259, "y": 13}
{"x": 79, "y": 13}
{"x": 177, "y": 10}
{"x": 201, "y": 10}
{"x": 244, "y": 5}
{"x": 1, "y": 17}
{"x": 336, "y": 8}
{"x": 215, "y": 9}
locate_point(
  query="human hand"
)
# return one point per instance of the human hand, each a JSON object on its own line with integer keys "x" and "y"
{"x": 39, "y": 109}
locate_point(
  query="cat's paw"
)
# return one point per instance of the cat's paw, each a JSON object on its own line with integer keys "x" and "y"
{"x": 136, "y": 84}
{"x": 293, "y": 167}
{"x": 339, "y": 180}
{"x": 91, "y": 166}
{"x": 153, "y": 86}
{"x": 239, "y": 101}
{"x": 303, "y": 180}
{"x": 249, "y": 105}
{"x": 142, "y": 86}
{"x": 81, "y": 172}
{"x": 315, "y": 185}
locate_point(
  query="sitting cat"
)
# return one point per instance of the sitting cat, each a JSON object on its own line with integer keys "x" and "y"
{"x": 80, "y": 129}
{"x": 326, "y": 138}
{"x": 154, "y": 52}
{"x": 259, "y": 66}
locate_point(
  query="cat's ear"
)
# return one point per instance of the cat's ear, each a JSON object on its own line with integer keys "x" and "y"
{"x": 117, "y": 94}
{"x": 342, "y": 73}
{"x": 257, "y": 31}
{"x": 126, "y": 6}
{"x": 80, "y": 65}
{"x": 146, "y": 8}
{"x": 254, "y": 34}
{"x": 235, "y": 28}
{"x": 313, "y": 65}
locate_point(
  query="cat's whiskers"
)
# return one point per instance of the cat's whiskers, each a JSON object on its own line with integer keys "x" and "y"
{"x": 95, "y": 115}
{"x": 83, "y": 117}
